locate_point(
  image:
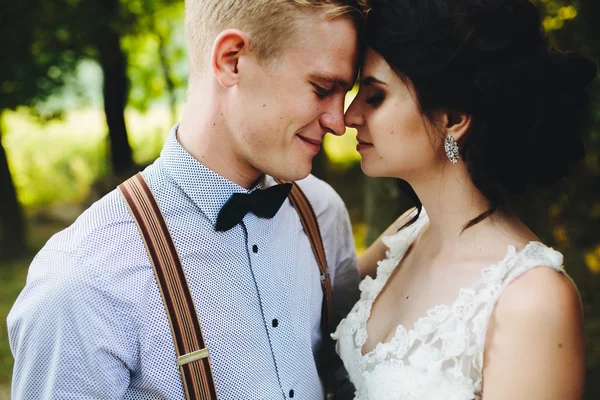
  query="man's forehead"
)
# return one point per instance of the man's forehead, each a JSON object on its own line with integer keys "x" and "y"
{"x": 334, "y": 79}
{"x": 327, "y": 51}
{"x": 327, "y": 39}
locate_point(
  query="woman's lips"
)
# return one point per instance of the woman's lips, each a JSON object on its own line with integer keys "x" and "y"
{"x": 362, "y": 145}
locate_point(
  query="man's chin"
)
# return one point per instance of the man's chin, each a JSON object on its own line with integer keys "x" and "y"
{"x": 294, "y": 172}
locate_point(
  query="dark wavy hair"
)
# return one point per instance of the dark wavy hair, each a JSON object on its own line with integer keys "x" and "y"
{"x": 491, "y": 60}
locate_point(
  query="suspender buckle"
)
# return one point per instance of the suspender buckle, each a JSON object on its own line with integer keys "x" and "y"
{"x": 193, "y": 356}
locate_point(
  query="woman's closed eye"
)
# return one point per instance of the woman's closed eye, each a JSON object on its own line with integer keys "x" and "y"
{"x": 375, "y": 99}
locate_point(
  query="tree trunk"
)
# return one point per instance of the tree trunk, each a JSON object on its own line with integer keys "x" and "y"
{"x": 116, "y": 88}
{"x": 319, "y": 165}
{"x": 383, "y": 204}
{"x": 170, "y": 84}
{"x": 12, "y": 224}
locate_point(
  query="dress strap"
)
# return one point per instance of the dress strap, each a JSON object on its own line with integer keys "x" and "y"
{"x": 497, "y": 277}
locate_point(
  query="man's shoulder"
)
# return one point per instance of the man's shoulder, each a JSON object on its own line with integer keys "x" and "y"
{"x": 104, "y": 227}
{"x": 96, "y": 240}
{"x": 102, "y": 215}
{"x": 85, "y": 263}
{"x": 104, "y": 231}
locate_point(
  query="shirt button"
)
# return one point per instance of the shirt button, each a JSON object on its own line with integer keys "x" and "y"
{"x": 291, "y": 393}
{"x": 255, "y": 248}
{"x": 275, "y": 323}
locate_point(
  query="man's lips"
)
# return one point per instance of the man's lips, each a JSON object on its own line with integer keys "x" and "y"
{"x": 316, "y": 142}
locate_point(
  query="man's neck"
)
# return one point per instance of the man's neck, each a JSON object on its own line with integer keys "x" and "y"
{"x": 203, "y": 133}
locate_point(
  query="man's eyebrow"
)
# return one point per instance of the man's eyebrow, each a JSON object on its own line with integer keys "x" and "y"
{"x": 369, "y": 80}
{"x": 333, "y": 80}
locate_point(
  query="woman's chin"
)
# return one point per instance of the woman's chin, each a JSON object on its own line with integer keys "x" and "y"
{"x": 368, "y": 169}
{"x": 375, "y": 170}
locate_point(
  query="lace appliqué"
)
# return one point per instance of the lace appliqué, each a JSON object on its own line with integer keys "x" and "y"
{"x": 441, "y": 356}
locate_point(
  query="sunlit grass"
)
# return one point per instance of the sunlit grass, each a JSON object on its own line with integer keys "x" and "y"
{"x": 359, "y": 231}
{"x": 58, "y": 161}
{"x": 342, "y": 149}
{"x": 592, "y": 260}
{"x": 12, "y": 280}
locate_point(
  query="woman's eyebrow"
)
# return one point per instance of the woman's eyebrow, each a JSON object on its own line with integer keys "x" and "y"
{"x": 369, "y": 80}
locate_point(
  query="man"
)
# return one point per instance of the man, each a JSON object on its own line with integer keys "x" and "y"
{"x": 267, "y": 81}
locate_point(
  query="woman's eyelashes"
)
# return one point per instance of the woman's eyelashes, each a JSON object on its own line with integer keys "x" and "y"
{"x": 375, "y": 98}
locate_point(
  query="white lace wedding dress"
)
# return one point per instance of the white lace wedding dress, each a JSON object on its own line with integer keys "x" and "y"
{"x": 441, "y": 356}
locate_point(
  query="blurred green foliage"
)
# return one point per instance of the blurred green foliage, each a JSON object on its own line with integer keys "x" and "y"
{"x": 59, "y": 161}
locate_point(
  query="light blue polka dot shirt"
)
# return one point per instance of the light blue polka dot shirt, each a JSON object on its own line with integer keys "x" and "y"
{"x": 90, "y": 322}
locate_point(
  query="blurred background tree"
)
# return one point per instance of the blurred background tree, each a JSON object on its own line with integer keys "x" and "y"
{"x": 35, "y": 64}
{"x": 48, "y": 40}
{"x": 90, "y": 88}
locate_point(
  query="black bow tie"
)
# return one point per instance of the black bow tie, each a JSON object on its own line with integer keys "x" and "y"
{"x": 262, "y": 203}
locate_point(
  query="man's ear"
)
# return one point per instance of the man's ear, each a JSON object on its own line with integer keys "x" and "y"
{"x": 454, "y": 123}
{"x": 227, "y": 50}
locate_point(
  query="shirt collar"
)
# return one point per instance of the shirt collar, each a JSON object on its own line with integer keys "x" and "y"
{"x": 208, "y": 190}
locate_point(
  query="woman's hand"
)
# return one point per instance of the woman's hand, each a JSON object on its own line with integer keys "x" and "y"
{"x": 376, "y": 251}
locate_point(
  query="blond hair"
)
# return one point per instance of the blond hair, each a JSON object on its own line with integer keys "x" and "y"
{"x": 270, "y": 24}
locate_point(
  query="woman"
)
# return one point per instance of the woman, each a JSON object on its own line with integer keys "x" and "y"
{"x": 464, "y": 100}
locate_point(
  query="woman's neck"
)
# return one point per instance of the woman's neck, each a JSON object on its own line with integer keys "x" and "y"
{"x": 451, "y": 200}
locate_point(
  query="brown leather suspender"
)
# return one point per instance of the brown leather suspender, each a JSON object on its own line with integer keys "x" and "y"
{"x": 192, "y": 355}
{"x": 309, "y": 221}
{"x": 308, "y": 218}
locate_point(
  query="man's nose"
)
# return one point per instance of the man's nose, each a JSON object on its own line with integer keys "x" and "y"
{"x": 333, "y": 119}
